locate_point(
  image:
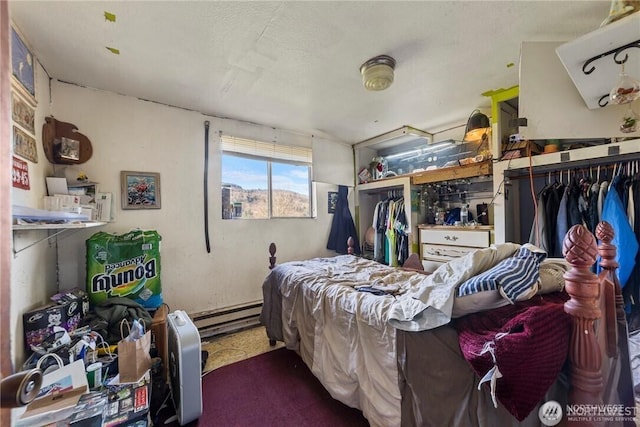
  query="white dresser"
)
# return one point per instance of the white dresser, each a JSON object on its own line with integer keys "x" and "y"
{"x": 441, "y": 243}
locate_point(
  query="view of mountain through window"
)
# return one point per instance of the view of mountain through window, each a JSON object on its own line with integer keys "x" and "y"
{"x": 262, "y": 188}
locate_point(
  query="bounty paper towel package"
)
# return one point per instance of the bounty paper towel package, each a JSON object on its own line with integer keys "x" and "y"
{"x": 124, "y": 265}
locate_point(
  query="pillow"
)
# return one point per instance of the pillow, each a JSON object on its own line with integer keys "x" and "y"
{"x": 552, "y": 275}
{"x": 512, "y": 276}
{"x": 483, "y": 301}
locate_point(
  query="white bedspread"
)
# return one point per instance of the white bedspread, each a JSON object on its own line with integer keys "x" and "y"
{"x": 348, "y": 338}
{"x": 430, "y": 304}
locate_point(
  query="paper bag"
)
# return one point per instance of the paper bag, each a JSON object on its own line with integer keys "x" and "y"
{"x": 133, "y": 358}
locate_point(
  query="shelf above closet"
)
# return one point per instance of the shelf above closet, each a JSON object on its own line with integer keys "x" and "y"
{"x": 581, "y": 157}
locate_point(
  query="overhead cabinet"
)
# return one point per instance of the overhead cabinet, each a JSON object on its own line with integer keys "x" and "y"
{"x": 553, "y": 106}
{"x": 593, "y": 61}
{"x": 564, "y": 86}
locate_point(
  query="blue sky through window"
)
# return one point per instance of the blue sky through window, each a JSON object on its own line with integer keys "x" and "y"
{"x": 251, "y": 174}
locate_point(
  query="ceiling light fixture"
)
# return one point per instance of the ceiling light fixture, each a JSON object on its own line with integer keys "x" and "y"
{"x": 377, "y": 72}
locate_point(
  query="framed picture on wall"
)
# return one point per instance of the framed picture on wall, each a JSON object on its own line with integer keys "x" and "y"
{"x": 332, "y": 201}
{"x": 24, "y": 145}
{"x": 140, "y": 190}
{"x": 22, "y": 67}
{"x": 22, "y": 113}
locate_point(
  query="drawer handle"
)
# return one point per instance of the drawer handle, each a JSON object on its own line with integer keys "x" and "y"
{"x": 454, "y": 238}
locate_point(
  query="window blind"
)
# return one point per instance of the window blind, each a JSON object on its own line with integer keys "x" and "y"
{"x": 270, "y": 150}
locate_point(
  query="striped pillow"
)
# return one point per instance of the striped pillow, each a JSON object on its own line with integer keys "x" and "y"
{"x": 512, "y": 277}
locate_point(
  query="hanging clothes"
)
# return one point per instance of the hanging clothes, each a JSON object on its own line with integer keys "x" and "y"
{"x": 391, "y": 245}
{"x": 538, "y": 235}
{"x": 553, "y": 194}
{"x": 562, "y": 222}
{"x": 342, "y": 226}
{"x": 380, "y": 226}
{"x": 624, "y": 239}
{"x": 632, "y": 289}
{"x": 401, "y": 226}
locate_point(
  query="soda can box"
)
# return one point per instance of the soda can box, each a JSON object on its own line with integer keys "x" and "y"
{"x": 38, "y": 323}
{"x": 124, "y": 265}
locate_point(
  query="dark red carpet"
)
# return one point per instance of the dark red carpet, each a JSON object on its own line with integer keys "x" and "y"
{"x": 272, "y": 389}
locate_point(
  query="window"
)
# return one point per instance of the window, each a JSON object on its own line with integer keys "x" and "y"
{"x": 263, "y": 180}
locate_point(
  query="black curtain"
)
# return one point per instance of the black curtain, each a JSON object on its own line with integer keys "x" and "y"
{"x": 342, "y": 226}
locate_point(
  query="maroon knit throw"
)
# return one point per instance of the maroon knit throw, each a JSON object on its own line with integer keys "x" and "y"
{"x": 530, "y": 357}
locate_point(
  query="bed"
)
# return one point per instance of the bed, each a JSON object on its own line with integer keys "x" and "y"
{"x": 412, "y": 349}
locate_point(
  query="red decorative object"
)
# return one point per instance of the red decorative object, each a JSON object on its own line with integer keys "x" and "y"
{"x": 20, "y": 174}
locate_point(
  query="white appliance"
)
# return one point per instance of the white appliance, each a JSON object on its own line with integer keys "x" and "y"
{"x": 185, "y": 378}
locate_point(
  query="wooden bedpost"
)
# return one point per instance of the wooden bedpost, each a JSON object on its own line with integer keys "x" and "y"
{"x": 612, "y": 292}
{"x": 617, "y": 330}
{"x": 583, "y": 287}
{"x": 272, "y": 264}
{"x": 272, "y": 257}
{"x": 350, "y": 244}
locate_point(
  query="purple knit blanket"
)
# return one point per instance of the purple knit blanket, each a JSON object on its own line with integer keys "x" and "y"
{"x": 529, "y": 341}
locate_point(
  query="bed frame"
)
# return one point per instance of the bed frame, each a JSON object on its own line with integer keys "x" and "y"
{"x": 598, "y": 361}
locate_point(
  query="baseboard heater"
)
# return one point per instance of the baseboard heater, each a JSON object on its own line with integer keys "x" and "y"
{"x": 227, "y": 320}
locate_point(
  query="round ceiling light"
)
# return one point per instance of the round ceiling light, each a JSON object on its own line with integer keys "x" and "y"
{"x": 377, "y": 73}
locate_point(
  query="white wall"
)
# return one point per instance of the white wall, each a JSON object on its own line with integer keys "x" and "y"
{"x": 130, "y": 134}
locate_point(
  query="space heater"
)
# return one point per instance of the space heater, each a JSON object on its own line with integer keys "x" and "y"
{"x": 184, "y": 353}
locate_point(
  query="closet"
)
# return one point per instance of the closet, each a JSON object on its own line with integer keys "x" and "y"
{"x": 390, "y": 202}
{"x": 514, "y": 206}
{"x": 540, "y": 202}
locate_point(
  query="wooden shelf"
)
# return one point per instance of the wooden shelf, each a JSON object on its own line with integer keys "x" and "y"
{"x": 436, "y": 175}
{"x": 454, "y": 172}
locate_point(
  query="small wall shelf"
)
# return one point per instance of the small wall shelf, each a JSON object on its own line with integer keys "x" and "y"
{"x": 60, "y": 228}
{"x": 455, "y": 172}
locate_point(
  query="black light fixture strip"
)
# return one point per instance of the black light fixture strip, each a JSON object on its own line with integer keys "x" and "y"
{"x": 615, "y": 52}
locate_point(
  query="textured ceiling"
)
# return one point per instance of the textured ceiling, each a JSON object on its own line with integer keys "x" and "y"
{"x": 295, "y": 65}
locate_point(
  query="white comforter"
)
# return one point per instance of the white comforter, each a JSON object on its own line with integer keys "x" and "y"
{"x": 348, "y": 338}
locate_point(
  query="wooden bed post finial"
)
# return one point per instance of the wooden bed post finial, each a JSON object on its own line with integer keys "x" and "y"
{"x": 583, "y": 286}
{"x": 614, "y": 302}
{"x": 350, "y": 244}
{"x": 616, "y": 319}
{"x": 272, "y": 257}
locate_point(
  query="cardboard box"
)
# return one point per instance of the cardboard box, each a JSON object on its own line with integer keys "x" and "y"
{"x": 59, "y": 394}
{"x": 128, "y": 404}
{"x": 67, "y": 311}
{"x": 159, "y": 336}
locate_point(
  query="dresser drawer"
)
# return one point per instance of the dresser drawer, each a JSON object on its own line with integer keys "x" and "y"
{"x": 454, "y": 237}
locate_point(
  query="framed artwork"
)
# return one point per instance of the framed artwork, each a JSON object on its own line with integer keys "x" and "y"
{"x": 22, "y": 67}
{"x": 140, "y": 190}
{"x": 24, "y": 145}
{"x": 69, "y": 149}
{"x": 22, "y": 113}
{"x": 332, "y": 201}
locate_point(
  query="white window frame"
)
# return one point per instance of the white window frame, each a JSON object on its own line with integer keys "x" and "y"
{"x": 271, "y": 152}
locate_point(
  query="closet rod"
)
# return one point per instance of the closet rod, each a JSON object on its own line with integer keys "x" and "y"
{"x": 573, "y": 170}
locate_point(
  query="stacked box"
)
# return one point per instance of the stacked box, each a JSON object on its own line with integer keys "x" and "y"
{"x": 126, "y": 265}
{"x": 67, "y": 311}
